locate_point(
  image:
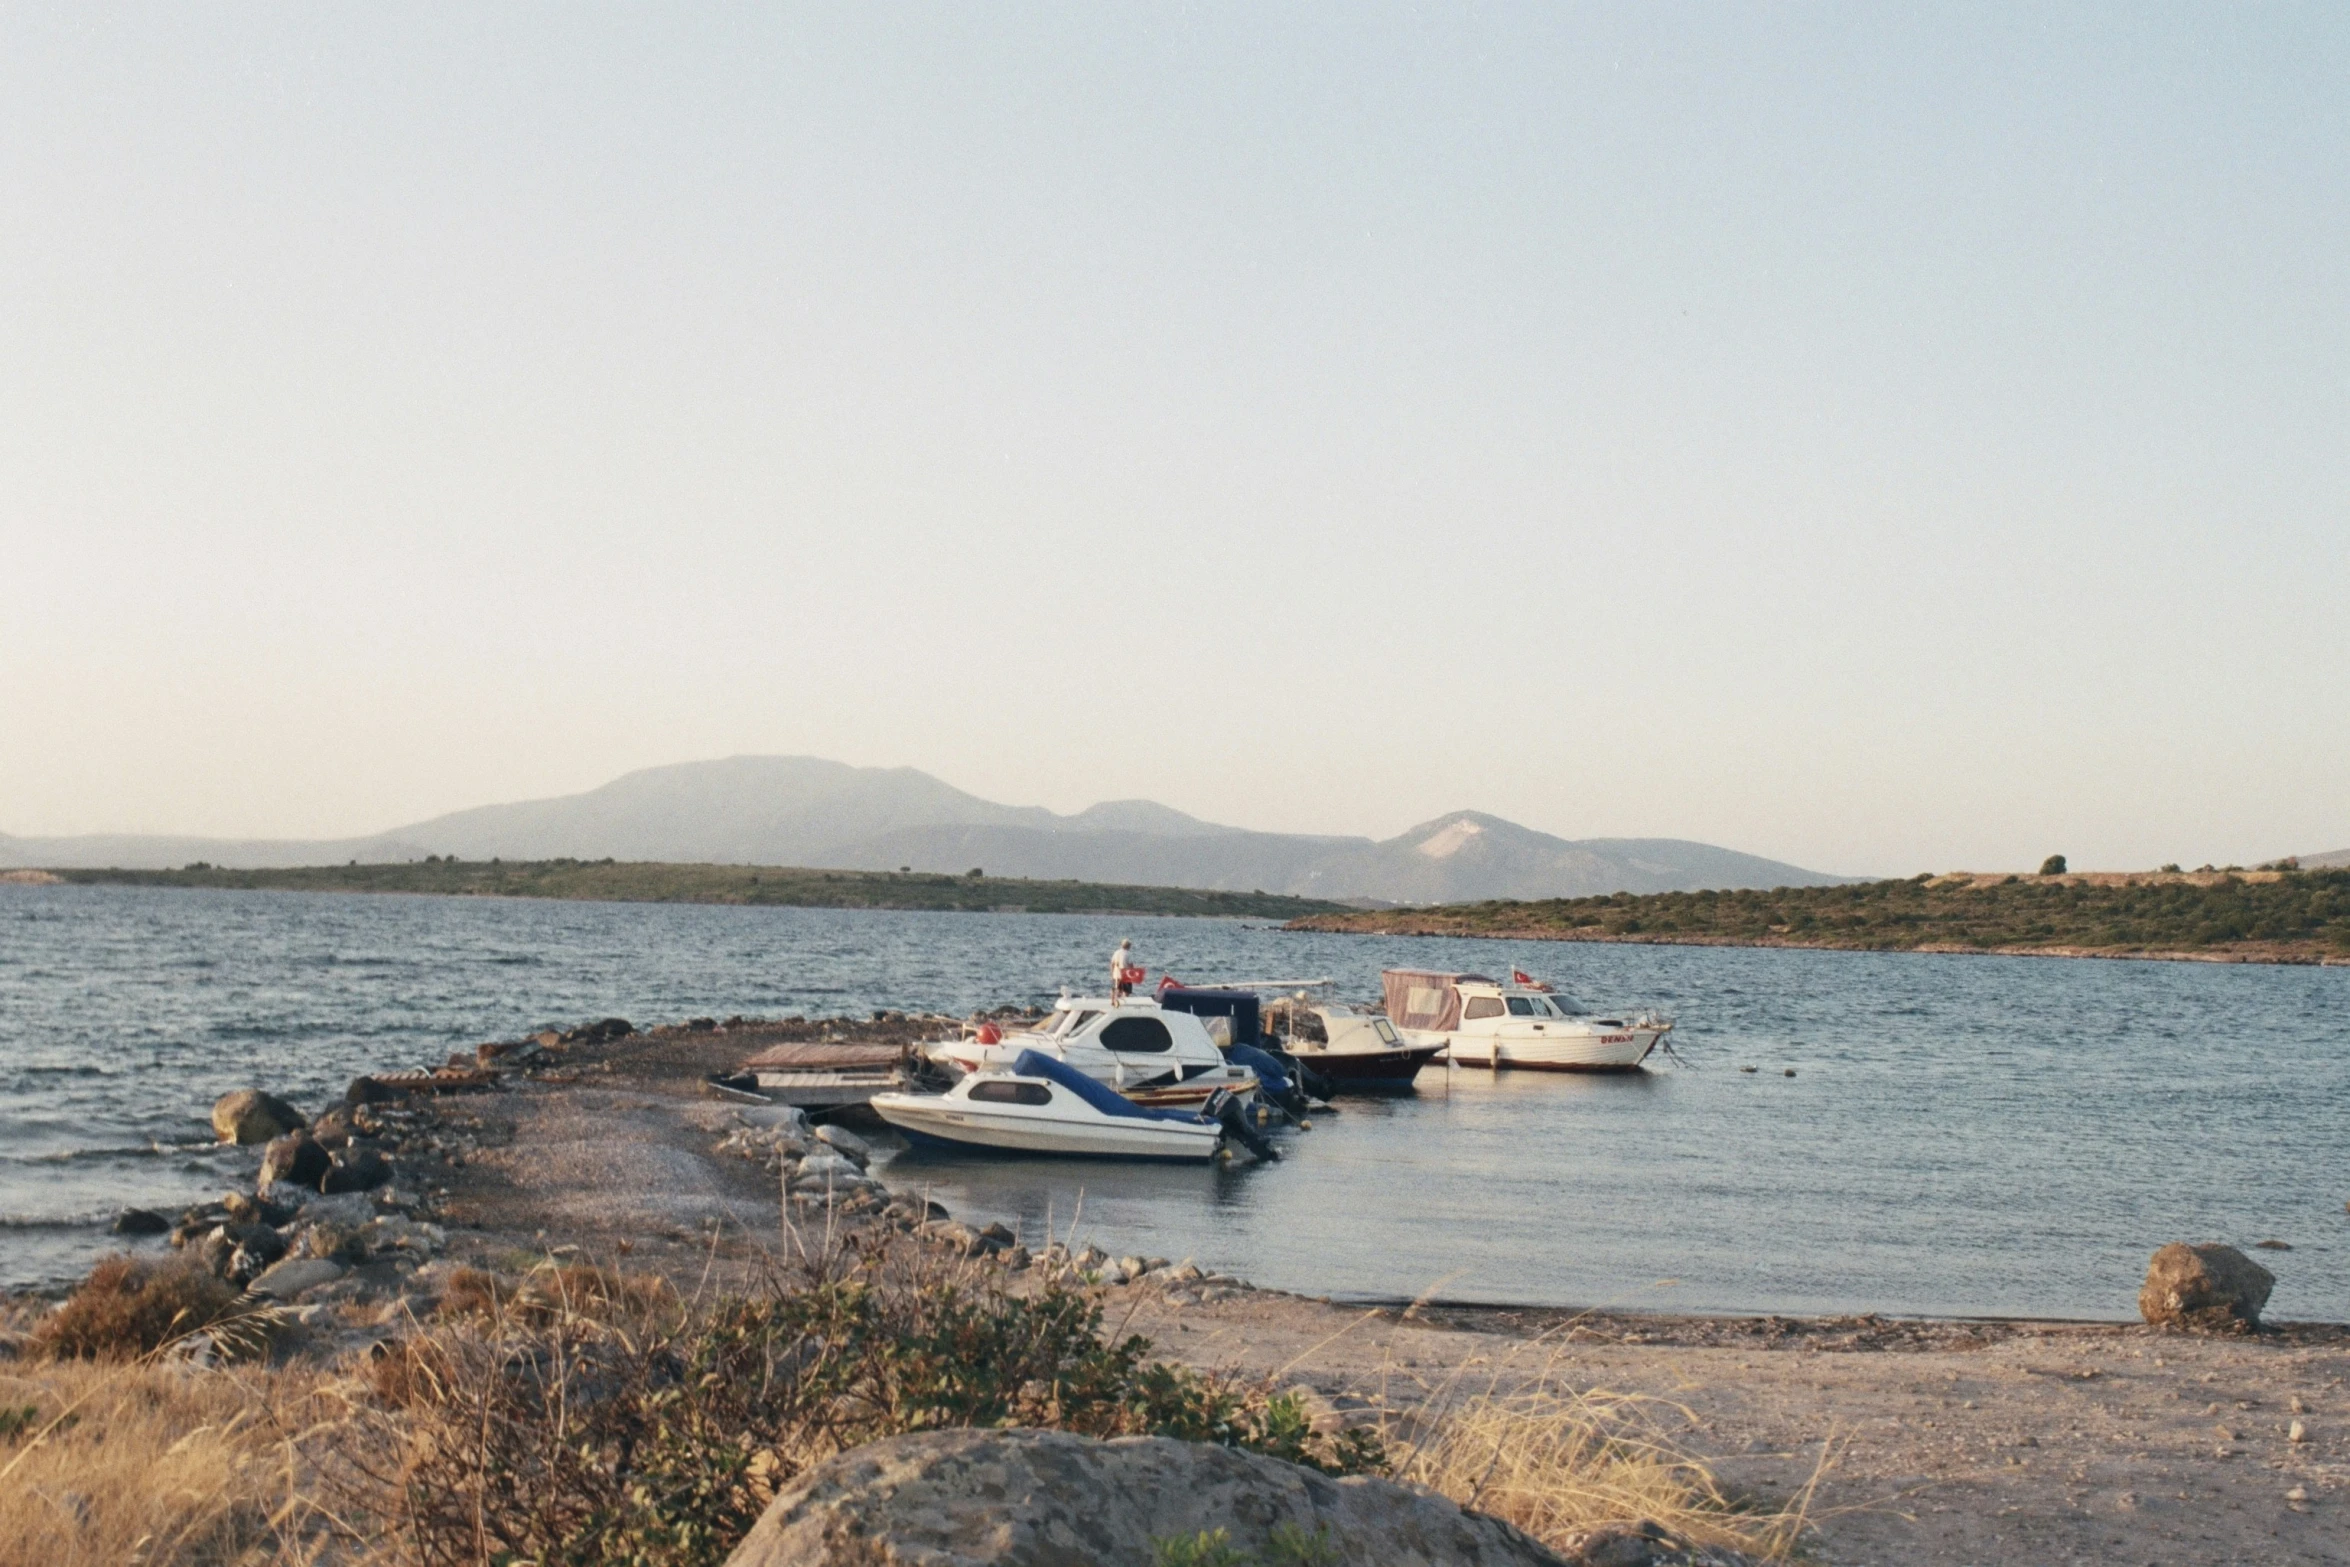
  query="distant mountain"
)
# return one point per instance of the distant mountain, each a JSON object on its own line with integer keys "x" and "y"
{"x": 2332, "y": 860}
{"x": 796, "y": 810}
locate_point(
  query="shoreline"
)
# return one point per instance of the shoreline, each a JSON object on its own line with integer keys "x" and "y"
{"x": 2279, "y": 915}
{"x": 2283, "y": 958}
{"x": 749, "y": 886}
{"x": 1933, "y": 1441}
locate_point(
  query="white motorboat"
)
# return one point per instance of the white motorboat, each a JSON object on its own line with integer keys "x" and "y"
{"x": 1037, "y": 1104}
{"x": 1351, "y": 1047}
{"x": 1518, "y": 1023}
{"x": 1152, "y": 1054}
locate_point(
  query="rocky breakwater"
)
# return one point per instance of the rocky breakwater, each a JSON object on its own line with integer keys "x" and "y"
{"x": 326, "y": 1201}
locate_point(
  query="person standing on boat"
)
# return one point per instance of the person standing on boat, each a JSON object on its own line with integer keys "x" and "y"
{"x": 1122, "y": 964}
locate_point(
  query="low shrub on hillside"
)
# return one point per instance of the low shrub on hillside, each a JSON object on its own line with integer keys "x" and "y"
{"x": 129, "y": 1307}
{"x": 624, "y": 1426}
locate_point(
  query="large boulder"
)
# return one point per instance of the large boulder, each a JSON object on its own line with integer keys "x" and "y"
{"x": 354, "y": 1167}
{"x": 846, "y": 1143}
{"x": 2204, "y": 1289}
{"x": 251, "y": 1116}
{"x": 295, "y": 1159}
{"x": 1033, "y": 1498}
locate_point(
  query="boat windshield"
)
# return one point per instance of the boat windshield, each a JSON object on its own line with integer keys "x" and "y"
{"x": 1525, "y": 1006}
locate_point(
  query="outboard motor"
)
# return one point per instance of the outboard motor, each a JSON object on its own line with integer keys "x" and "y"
{"x": 1226, "y": 1112}
{"x": 1274, "y": 1075}
{"x": 1315, "y": 1085}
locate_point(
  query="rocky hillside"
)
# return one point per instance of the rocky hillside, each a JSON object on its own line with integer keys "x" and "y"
{"x": 804, "y": 811}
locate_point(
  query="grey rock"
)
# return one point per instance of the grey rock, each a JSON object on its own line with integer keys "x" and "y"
{"x": 140, "y": 1221}
{"x": 333, "y": 1129}
{"x": 295, "y": 1159}
{"x": 847, "y": 1144}
{"x": 1050, "y": 1499}
{"x": 823, "y": 1168}
{"x": 242, "y": 1209}
{"x": 958, "y": 1237}
{"x": 238, "y": 1252}
{"x": 288, "y": 1279}
{"x": 790, "y": 1118}
{"x": 346, "y": 1209}
{"x": 2204, "y": 1289}
{"x": 354, "y": 1168}
{"x": 251, "y": 1116}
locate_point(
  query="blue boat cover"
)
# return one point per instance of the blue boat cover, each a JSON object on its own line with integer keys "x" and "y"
{"x": 1268, "y": 1068}
{"x": 1034, "y": 1063}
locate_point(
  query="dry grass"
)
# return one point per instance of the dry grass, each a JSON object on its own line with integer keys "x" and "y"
{"x": 1559, "y": 1461}
{"x": 151, "y": 1464}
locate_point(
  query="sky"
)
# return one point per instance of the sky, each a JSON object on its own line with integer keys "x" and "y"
{"x": 1884, "y": 438}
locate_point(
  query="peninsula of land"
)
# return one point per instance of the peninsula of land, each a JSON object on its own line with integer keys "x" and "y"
{"x": 591, "y": 1206}
{"x": 2275, "y": 915}
{"x": 779, "y": 886}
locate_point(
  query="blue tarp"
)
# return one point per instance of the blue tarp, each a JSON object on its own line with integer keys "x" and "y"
{"x": 1268, "y": 1068}
{"x": 1033, "y": 1063}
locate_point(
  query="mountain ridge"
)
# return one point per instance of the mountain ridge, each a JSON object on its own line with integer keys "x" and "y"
{"x": 807, "y": 811}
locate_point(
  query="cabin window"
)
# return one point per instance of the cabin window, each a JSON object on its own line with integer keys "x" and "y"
{"x": 1012, "y": 1093}
{"x": 1077, "y": 1026}
{"x": 1482, "y": 1006}
{"x": 1521, "y": 1007}
{"x": 1385, "y": 1030}
{"x": 1145, "y": 1035}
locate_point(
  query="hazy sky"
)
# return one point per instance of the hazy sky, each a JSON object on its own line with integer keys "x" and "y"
{"x": 1874, "y": 439}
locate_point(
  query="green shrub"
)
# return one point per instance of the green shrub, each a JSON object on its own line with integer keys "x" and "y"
{"x": 634, "y": 1429}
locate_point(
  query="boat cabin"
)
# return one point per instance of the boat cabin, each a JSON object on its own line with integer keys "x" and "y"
{"x": 1440, "y": 1003}
{"x": 1130, "y": 1042}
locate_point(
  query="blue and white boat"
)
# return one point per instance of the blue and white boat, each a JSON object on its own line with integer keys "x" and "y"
{"x": 1038, "y": 1105}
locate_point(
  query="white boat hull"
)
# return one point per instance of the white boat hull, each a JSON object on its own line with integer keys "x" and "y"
{"x": 1024, "y": 1129}
{"x": 1552, "y": 1048}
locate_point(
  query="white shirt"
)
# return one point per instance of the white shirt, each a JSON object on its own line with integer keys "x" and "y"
{"x": 1121, "y": 960}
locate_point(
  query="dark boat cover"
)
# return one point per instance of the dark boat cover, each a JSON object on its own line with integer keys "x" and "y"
{"x": 1241, "y": 1006}
{"x": 1033, "y": 1063}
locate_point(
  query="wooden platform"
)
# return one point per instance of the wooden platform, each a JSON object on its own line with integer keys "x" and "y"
{"x": 845, "y": 1055}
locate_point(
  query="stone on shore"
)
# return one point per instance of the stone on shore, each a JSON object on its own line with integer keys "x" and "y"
{"x": 288, "y": 1279}
{"x": 847, "y": 1144}
{"x": 824, "y": 1167}
{"x": 974, "y": 1498}
{"x": 295, "y": 1159}
{"x": 141, "y": 1221}
{"x": 353, "y": 1168}
{"x": 251, "y": 1116}
{"x": 2204, "y": 1289}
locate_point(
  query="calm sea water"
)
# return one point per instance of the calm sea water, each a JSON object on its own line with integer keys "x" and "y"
{"x": 1963, "y": 1135}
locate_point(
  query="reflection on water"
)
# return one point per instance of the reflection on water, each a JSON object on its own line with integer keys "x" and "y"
{"x": 1963, "y": 1135}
